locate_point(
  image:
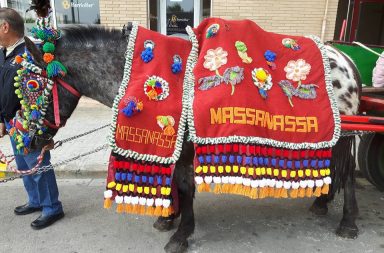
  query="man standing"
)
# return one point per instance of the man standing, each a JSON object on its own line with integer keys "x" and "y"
{"x": 42, "y": 188}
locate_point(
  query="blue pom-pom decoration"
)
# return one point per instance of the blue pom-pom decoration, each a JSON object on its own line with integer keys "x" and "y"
{"x": 176, "y": 67}
{"x": 26, "y": 140}
{"x": 270, "y": 56}
{"x": 35, "y": 115}
{"x": 147, "y": 55}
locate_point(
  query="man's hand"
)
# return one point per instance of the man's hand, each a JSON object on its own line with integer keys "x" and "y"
{"x": 3, "y": 132}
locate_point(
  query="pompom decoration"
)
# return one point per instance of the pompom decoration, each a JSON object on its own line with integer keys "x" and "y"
{"x": 270, "y": 57}
{"x": 56, "y": 68}
{"x": 49, "y": 47}
{"x": 48, "y": 57}
{"x": 147, "y": 55}
{"x": 133, "y": 107}
{"x": 177, "y": 64}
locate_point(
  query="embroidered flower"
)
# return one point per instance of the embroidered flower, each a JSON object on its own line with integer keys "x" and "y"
{"x": 215, "y": 58}
{"x": 156, "y": 88}
{"x": 166, "y": 123}
{"x": 297, "y": 70}
{"x": 263, "y": 80}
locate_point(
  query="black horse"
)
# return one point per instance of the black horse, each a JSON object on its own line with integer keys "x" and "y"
{"x": 95, "y": 60}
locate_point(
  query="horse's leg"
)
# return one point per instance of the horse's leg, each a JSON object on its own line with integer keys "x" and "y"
{"x": 320, "y": 205}
{"x": 184, "y": 178}
{"x": 347, "y": 227}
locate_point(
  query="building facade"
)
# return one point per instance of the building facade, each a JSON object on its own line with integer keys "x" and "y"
{"x": 296, "y": 17}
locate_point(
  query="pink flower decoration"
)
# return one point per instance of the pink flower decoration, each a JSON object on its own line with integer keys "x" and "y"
{"x": 297, "y": 70}
{"x": 215, "y": 58}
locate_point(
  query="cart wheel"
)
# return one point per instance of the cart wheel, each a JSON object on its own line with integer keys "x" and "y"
{"x": 371, "y": 159}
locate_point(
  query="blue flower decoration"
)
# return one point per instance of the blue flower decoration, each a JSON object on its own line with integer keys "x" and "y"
{"x": 270, "y": 56}
{"x": 177, "y": 64}
{"x": 147, "y": 55}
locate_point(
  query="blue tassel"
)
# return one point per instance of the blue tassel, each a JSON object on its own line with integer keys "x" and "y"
{"x": 281, "y": 163}
{"x": 261, "y": 161}
{"x": 224, "y": 159}
{"x": 313, "y": 163}
{"x": 305, "y": 163}
{"x": 289, "y": 164}
{"x": 327, "y": 163}
{"x": 168, "y": 181}
{"x": 130, "y": 176}
{"x": 151, "y": 180}
{"x": 231, "y": 159}
{"x": 297, "y": 164}
{"x": 123, "y": 176}
{"x": 137, "y": 179}
{"x": 118, "y": 176}
{"x": 263, "y": 93}
{"x": 266, "y": 161}
{"x": 273, "y": 161}
{"x": 144, "y": 179}
{"x": 321, "y": 164}
{"x": 239, "y": 159}
{"x": 216, "y": 159}
{"x": 201, "y": 159}
{"x": 256, "y": 161}
{"x": 248, "y": 160}
{"x": 208, "y": 158}
{"x": 159, "y": 180}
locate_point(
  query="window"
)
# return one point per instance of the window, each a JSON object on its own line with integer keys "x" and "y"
{"x": 21, "y": 7}
{"x": 77, "y": 12}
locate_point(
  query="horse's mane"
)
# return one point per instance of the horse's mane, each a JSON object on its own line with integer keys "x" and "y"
{"x": 90, "y": 35}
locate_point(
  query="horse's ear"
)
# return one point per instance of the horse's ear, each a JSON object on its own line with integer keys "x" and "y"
{"x": 41, "y": 7}
{"x": 35, "y": 52}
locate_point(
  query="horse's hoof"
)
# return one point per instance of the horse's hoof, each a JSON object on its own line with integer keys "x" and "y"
{"x": 175, "y": 246}
{"x": 350, "y": 232}
{"x": 318, "y": 210}
{"x": 163, "y": 224}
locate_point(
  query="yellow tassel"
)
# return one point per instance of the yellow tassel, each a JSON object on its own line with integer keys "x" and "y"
{"x": 218, "y": 189}
{"x": 294, "y": 193}
{"x": 253, "y": 193}
{"x": 128, "y": 208}
{"x": 141, "y": 210}
{"x": 107, "y": 203}
{"x": 165, "y": 212}
{"x": 271, "y": 192}
{"x": 158, "y": 210}
{"x": 325, "y": 189}
{"x": 284, "y": 193}
{"x": 150, "y": 211}
{"x": 277, "y": 193}
{"x": 301, "y": 193}
{"x": 317, "y": 192}
{"x": 120, "y": 208}
{"x": 309, "y": 192}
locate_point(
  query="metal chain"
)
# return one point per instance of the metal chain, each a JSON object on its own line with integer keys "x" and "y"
{"x": 354, "y": 133}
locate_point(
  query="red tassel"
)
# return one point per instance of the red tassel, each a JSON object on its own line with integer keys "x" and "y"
{"x": 220, "y": 147}
{"x": 243, "y": 149}
{"x": 212, "y": 149}
{"x": 228, "y": 148}
{"x": 236, "y": 148}
{"x": 252, "y": 149}
{"x": 204, "y": 149}
{"x": 198, "y": 150}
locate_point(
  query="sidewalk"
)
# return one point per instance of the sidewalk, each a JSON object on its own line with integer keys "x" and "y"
{"x": 224, "y": 224}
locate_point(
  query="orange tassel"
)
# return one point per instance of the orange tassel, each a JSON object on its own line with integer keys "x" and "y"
{"x": 128, "y": 208}
{"x": 277, "y": 193}
{"x": 247, "y": 191}
{"x": 150, "y": 211}
{"x": 253, "y": 193}
{"x": 166, "y": 212}
{"x": 309, "y": 192}
{"x": 141, "y": 210}
{"x": 271, "y": 192}
{"x": 218, "y": 189}
{"x": 120, "y": 208}
{"x": 225, "y": 188}
{"x": 201, "y": 187}
{"x": 301, "y": 193}
{"x": 158, "y": 211}
{"x": 135, "y": 209}
{"x": 107, "y": 203}
{"x": 325, "y": 189}
{"x": 284, "y": 193}
{"x": 317, "y": 192}
{"x": 294, "y": 193}
{"x": 262, "y": 192}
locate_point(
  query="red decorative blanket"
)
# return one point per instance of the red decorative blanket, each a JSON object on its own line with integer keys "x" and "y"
{"x": 262, "y": 116}
{"x": 148, "y": 126}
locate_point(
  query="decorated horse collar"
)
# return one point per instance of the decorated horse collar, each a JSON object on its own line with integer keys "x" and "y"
{"x": 37, "y": 87}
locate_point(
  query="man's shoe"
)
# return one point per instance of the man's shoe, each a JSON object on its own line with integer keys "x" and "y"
{"x": 26, "y": 209}
{"x": 45, "y": 221}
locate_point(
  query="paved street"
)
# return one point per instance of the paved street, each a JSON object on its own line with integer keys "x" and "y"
{"x": 223, "y": 223}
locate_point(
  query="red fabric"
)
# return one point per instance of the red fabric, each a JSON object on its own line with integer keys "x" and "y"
{"x": 164, "y": 50}
{"x": 247, "y": 95}
{"x": 56, "y": 108}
